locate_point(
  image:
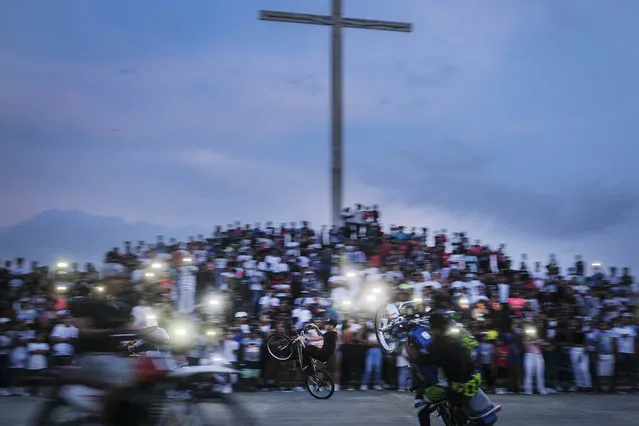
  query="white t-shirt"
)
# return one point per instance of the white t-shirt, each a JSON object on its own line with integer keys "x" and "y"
{"x": 17, "y": 282}
{"x": 625, "y": 339}
{"x": 64, "y": 332}
{"x": 459, "y": 284}
{"x": 37, "y": 362}
{"x": 230, "y": 346}
{"x": 504, "y": 292}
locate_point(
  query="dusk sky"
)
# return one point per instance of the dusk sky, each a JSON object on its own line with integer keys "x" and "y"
{"x": 515, "y": 121}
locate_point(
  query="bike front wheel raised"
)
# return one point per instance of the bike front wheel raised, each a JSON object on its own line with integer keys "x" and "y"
{"x": 384, "y": 320}
{"x": 320, "y": 385}
{"x": 280, "y": 347}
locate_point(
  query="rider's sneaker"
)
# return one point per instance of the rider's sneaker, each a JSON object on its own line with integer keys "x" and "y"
{"x": 378, "y": 387}
{"x": 363, "y": 388}
{"x": 4, "y": 392}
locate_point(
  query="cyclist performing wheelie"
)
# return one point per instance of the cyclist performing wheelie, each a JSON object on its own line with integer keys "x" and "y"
{"x": 281, "y": 348}
{"x": 441, "y": 359}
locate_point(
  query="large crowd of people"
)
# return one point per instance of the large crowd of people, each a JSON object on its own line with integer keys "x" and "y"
{"x": 541, "y": 328}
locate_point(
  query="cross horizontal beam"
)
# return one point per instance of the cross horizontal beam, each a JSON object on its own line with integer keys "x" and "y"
{"x": 307, "y": 18}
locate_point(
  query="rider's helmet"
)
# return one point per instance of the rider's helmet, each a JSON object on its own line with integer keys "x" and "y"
{"x": 439, "y": 322}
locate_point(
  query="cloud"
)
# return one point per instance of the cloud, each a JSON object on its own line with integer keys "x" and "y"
{"x": 208, "y": 92}
{"x": 457, "y": 183}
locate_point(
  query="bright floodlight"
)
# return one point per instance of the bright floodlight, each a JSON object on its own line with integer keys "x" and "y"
{"x": 596, "y": 265}
{"x": 346, "y": 303}
{"x": 417, "y": 300}
{"x": 62, "y": 265}
{"x": 211, "y": 333}
{"x": 99, "y": 289}
{"x": 350, "y": 274}
{"x": 377, "y": 290}
{"x": 156, "y": 266}
{"x": 188, "y": 260}
{"x": 149, "y": 274}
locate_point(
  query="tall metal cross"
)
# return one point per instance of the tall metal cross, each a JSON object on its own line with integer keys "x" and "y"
{"x": 336, "y": 21}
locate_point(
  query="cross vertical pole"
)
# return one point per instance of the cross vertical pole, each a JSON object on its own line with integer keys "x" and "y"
{"x": 337, "y": 116}
{"x": 337, "y": 22}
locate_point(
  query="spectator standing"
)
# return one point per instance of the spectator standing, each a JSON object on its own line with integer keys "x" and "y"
{"x": 533, "y": 363}
{"x": 501, "y": 362}
{"x": 250, "y": 351}
{"x": 18, "y": 275}
{"x": 626, "y": 356}
{"x": 5, "y": 350}
{"x": 515, "y": 356}
{"x": 373, "y": 361}
{"x": 19, "y": 356}
{"x": 403, "y": 374}
{"x": 486, "y": 352}
{"x": 38, "y": 352}
{"x": 63, "y": 337}
{"x": 186, "y": 285}
{"x": 579, "y": 359}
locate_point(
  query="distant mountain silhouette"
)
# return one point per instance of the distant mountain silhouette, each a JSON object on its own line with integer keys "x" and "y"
{"x": 77, "y": 236}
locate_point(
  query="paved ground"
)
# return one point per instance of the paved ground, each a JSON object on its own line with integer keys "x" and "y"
{"x": 390, "y": 408}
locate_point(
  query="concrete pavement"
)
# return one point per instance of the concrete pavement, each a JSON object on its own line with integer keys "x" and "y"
{"x": 392, "y": 408}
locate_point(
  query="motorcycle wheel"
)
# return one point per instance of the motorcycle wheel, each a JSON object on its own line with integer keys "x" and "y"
{"x": 46, "y": 416}
{"x": 384, "y": 317}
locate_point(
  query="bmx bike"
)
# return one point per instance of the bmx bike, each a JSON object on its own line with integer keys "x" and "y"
{"x": 318, "y": 382}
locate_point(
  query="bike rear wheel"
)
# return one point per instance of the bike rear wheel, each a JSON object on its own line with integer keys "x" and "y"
{"x": 320, "y": 385}
{"x": 280, "y": 347}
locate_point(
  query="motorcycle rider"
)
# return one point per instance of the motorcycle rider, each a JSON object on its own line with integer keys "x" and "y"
{"x": 99, "y": 357}
{"x": 157, "y": 339}
{"x": 449, "y": 354}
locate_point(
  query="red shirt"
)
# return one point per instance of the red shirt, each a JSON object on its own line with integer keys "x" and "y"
{"x": 501, "y": 356}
